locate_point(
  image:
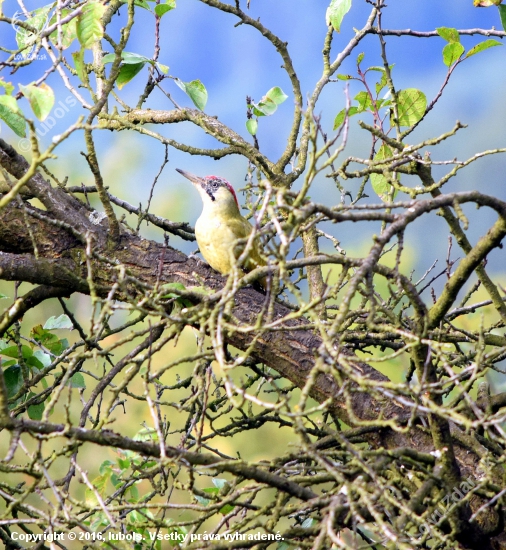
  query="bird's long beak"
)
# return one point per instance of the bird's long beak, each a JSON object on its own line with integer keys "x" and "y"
{"x": 194, "y": 179}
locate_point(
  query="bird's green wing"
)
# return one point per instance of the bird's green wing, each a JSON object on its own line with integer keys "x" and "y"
{"x": 240, "y": 227}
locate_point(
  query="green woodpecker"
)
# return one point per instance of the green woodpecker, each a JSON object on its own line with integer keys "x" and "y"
{"x": 221, "y": 225}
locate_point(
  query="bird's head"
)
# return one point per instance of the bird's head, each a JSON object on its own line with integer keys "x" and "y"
{"x": 216, "y": 192}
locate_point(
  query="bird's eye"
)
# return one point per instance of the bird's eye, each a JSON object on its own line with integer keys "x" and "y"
{"x": 215, "y": 185}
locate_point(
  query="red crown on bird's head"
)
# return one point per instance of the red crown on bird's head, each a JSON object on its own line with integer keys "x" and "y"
{"x": 215, "y": 182}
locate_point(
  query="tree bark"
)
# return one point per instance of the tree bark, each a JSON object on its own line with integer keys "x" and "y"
{"x": 54, "y": 253}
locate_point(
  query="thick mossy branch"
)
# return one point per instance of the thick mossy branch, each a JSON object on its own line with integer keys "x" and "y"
{"x": 210, "y": 125}
{"x": 107, "y": 438}
{"x": 290, "y": 352}
{"x": 62, "y": 206}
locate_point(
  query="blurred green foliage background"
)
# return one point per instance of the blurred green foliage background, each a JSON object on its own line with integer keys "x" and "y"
{"x": 201, "y": 43}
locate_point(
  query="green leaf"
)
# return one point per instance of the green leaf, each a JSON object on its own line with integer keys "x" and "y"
{"x": 502, "y": 15}
{"x": 269, "y": 103}
{"x": 336, "y": 12}
{"x": 115, "y": 479}
{"x": 162, "y": 9}
{"x": 201, "y": 500}
{"x": 379, "y": 182}
{"x": 486, "y": 3}
{"x": 35, "y": 412}
{"x": 131, "y": 65}
{"x": 7, "y": 86}
{"x": 146, "y": 434}
{"x": 38, "y": 20}
{"x": 135, "y": 517}
{"x": 127, "y": 72}
{"x": 33, "y": 361}
{"x": 89, "y": 25}
{"x": 43, "y": 358}
{"x": 383, "y": 80}
{"x": 106, "y": 466}
{"x": 220, "y": 483}
{"x": 360, "y": 57}
{"x": 140, "y": 3}
{"x": 76, "y": 381}
{"x": 127, "y": 58}
{"x": 265, "y": 107}
{"x": 110, "y": 57}
{"x": 382, "y": 83}
{"x": 61, "y": 322}
{"x": 224, "y": 510}
{"x": 342, "y": 114}
{"x": 364, "y": 101}
{"x": 196, "y": 92}
{"x": 134, "y": 493}
{"x": 172, "y": 286}
{"x": 449, "y": 34}
{"x": 100, "y": 485}
{"x": 215, "y": 491}
{"x": 12, "y": 351}
{"x": 163, "y": 68}
{"x": 485, "y": 45}
{"x": 344, "y": 77}
{"x": 10, "y": 114}
{"x": 411, "y": 105}
{"x": 123, "y": 463}
{"x": 308, "y": 522}
{"x": 3, "y": 296}
{"x": 48, "y": 339}
{"x": 68, "y": 30}
{"x": 79, "y": 64}
{"x": 10, "y": 102}
{"x": 452, "y": 52}
{"x": 252, "y": 126}
{"x": 382, "y": 103}
{"x": 41, "y": 99}
{"x": 39, "y": 17}
{"x": 13, "y": 378}
{"x": 277, "y": 95}
{"x": 149, "y": 464}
